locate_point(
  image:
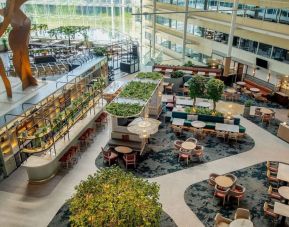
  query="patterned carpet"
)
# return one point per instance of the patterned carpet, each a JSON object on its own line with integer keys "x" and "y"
{"x": 61, "y": 219}
{"x": 199, "y": 197}
{"x": 272, "y": 128}
{"x": 159, "y": 159}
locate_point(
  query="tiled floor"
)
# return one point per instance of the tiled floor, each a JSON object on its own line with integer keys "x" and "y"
{"x": 22, "y": 204}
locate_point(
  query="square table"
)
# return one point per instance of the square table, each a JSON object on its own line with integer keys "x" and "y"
{"x": 184, "y": 102}
{"x": 178, "y": 121}
{"x": 281, "y": 209}
{"x": 283, "y": 172}
{"x": 227, "y": 127}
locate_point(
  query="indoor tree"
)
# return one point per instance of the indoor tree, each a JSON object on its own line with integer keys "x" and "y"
{"x": 215, "y": 89}
{"x": 113, "y": 197}
{"x": 197, "y": 87}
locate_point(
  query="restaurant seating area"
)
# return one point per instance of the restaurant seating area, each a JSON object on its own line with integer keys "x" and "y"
{"x": 244, "y": 194}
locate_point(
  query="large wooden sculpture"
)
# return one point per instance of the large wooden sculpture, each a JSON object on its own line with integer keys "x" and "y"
{"x": 18, "y": 41}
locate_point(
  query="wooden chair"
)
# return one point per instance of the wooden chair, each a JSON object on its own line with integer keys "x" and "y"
{"x": 177, "y": 130}
{"x": 193, "y": 140}
{"x": 200, "y": 133}
{"x": 233, "y": 136}
{"x": 221, "y": 134}
{"x": 221, "y": 221}
{"x": 272, "y": 179}
{"x": 212, "y": 178}
{"x": 266, "y": 118}
{"x": 221, "y": 193}
{"x": 185, "y": 155}
{"x": 273, "y": 168}
{"x": 130, "y": 159}
{"x": 185, "y": 91}
{"x": 233, "y": 178}
{"x": 177, "y": 146}
{"x": 242, "y": 213}
{"x": 198, "y": 152}
{"x": 169, "y": 88}
{"x": 109, "y": 155}
{"x": 273, "y": 193}
{"x": 258, "y": 112}
{"x": 238, "y": 192}
{"x": 269, "y": 212}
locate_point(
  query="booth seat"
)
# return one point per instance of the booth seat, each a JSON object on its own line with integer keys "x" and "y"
{"x": 263, "y": 90}
{"x": 209, "y": 120}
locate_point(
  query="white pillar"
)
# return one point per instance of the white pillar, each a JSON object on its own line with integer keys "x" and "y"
{"x": 123, "y": 16}
{"x": 185, "y": 32}
{"x": 112, "y": 18}
{"x": 154, "y": 29}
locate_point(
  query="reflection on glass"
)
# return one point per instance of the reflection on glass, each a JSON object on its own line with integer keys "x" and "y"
{"x": 264, "y": 50}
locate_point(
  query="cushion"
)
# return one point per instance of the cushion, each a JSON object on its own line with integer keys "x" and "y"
{"x": 192, "y": 117}
{"x": 242, "y": 129}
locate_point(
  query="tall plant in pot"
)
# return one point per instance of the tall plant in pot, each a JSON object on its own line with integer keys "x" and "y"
{"x": 176, "y": 79}
{"x": 247, "y": 108}
{"x": 197, "y": 87}
{"x": 215, "y": 89}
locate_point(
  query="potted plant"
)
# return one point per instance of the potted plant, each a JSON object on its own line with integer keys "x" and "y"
{"x": 176, "y": 79}
{"x": 197, "y": 87}
{"x": 247, "y": 108}
{"x": 215, "y": 89}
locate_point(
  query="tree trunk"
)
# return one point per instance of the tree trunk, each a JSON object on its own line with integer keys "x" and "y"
{"x": 214, "y": 107}
{"x": 194, "y": 103}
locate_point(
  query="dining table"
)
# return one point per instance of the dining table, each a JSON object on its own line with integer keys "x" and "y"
{"x": 283, "y": 210}
{"x": 198, "y": 124}
{"x": 204, "y": 104}
{"x": 283, "y": 172}
{"x": 227, "y": 127}
{"x": 123, "y": 149}
{"x": 255, "y": 90}
{"x": 224, "y": 181}
{"x": 241, "y": 83}
{"x": 188, "y": 146}
{"x": 266, "y": 111}
{"x": 284, "y": 192}
{"x": 241, "y": 223}
{"x": 178, "y": 121}
{"x": 231, "y": 90}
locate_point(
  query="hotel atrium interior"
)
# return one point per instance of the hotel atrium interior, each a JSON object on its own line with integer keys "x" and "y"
{"x": 144, "y": 113}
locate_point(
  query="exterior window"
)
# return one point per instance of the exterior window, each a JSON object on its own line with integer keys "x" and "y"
{"x": 248, "y": 45}
{"x": 236, "y": 41}
{"x": 271, "y": 15}
{"x": 264, "y": 50}
{"x": 192, "y": 3}
{"x": 280, "y": 54}
{"x": 284, "y": 17}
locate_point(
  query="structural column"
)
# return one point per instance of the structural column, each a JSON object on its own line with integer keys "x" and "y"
{"x": 227, "y": 62}
{"x": 154, "y": 29}
{"x": 185, "y": 32}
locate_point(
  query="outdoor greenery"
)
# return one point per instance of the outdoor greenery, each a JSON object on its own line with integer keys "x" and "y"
{"x": 189, "y": 64}
{"x": 197, "y": 87}
{"x": 112, "y": 197}
{"x": 69, "y": 31}
{"x": 100, "y": 51}
{"x": 203, "y": 111}
{"x": 215, "y": 89}
{"x": 138, "y": 90}
{"x": 149, "y": 75}
{"x": 249, "y": 103}
{"x": 177, "y": 74}
{"x": 123, "y": 109}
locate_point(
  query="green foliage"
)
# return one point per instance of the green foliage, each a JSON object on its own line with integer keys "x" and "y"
{"x": 100, "y": 84}
{"x": 138, "y": 90}
{"x": 203, "y": 111}
{"x": 177, "y": 74}
{"x": 249, "y": 103}
{"x": 112, "y": 197}
{"x": 149, "y": 75}
{"x": 189, "y": 64}
{"x": 197, "y": 86}
{"x": 100, "y": 51}
{"x": 68, "y": 31}
{"x": 215, "y": 89}
{"x": 123, "y": 109}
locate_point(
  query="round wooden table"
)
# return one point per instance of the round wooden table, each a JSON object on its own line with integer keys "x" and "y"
{"x": 284, "y": 192}
{"x": 224, "y": 181}
{"x": 188, "y": 145}
{"x": 266, "y": 111}
{"x": 231, "y": 90}
{"x": 241, "y": 223}
{"x": 203, "y": 104}
{"x": 198, "y": 124}
{"x": 254, "y": 89}
{"x": 241, "y": 83}
{"x": 123, "y": 149}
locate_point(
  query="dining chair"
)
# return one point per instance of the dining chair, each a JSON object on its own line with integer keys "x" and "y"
{"x": 273, "y": 193}
{"x": 221, "y": 193}
{"x": 242, "y": 213}
{"x": 221, "y": 134}
{"x": 266, "y": 118}
{"x": 221, "y": 221}
{"x": 177, "y": 130}
{"x": 199, "y": 133}
{"x": 185, "y": 155}
{"x": 129, "y": 159}
{"x": 272, "y": 179}
{"x": 177, "y": 146}
{"x": 233, "y": 136}
{"x": 238, "y": 192}
{"x": 193, "y": 140}
{"x": 269, "y": 212}
{"x": 212, "y": 178}
{"x": 273, "y": 114}
{"x": 198, "y": 152}
{"x": 258, "y": 112}
{"x": 109, "y": 155}
{"x": 272, "y": 167}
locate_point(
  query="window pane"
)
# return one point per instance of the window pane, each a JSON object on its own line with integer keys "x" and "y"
{"x": 264, "y": 50}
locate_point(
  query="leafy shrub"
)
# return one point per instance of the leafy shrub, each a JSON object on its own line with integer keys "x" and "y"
{"x": 138, "y": 90}
{"x": 123, "y": 109}
{"x": 203, "y": 111}
{"x": 197, "y": 87}
{"x": 112, "y": 197}
{"x": 177, "y": 74}
{"x": 149, "y": 75}
{"x": 189, "y": 64}
{"x": 215, "y": 89}
{"x": 100, "y": 51}
{"x": 249, "y": 103}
